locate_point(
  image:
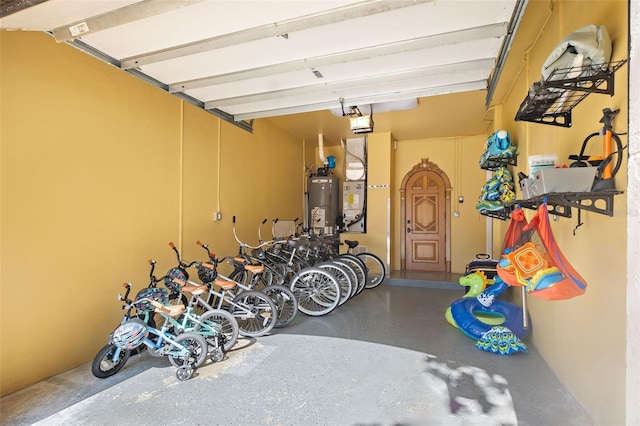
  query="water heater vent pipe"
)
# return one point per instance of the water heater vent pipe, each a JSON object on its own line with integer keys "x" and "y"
{"x": 321, "y": 149}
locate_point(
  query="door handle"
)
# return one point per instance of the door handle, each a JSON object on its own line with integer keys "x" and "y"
{"x": 408, "y": 230}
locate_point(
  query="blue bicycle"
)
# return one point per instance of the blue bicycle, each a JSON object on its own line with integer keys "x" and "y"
{"x": 186, "y": 351}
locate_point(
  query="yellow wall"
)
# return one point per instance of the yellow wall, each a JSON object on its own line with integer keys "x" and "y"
{"x": 99, "y": 171}
{"x": 582, "y": 339}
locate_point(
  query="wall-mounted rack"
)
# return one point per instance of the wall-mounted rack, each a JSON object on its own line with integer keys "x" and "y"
{"x": 494, "y": 163}
{"x": 561, "y": 203}
{"x": 551, "y": 101}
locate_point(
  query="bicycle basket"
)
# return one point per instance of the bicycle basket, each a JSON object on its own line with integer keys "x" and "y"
{"x": 178, "y": 274}
{"x": 130, "y": 334}
{"x": 207, "y": 272}
{"x": 153, "y": 293}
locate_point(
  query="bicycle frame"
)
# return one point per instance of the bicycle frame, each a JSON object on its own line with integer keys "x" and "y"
{"x": 159, "y": 342}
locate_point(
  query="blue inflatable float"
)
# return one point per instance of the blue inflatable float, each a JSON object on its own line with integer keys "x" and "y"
{"x": 465, "y": 314}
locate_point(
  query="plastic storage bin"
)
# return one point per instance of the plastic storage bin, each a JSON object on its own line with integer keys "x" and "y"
{"x": 572, "y": 179}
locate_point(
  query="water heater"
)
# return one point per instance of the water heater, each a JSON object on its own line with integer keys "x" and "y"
{"x": 323, "y": 204}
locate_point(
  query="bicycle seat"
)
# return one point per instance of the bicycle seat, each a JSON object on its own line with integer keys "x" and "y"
{"x": 301, "y": 245}
{"x": 224, "y": 284}
{"x": 171, "y": 310}
{"x": 351, "y": 244}
{"x": 315, "y": 244}
{"x": 179, "y": 282}
{"x": 254, "y": 269}
{"x": 196, "y": 290}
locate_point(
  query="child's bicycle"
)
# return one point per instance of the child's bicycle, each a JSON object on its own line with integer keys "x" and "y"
{"x": 218, "y": 327}
{"x": 281, "y": 296}
{"x": 186, "y": 351}
{"x": 255, "y": 312}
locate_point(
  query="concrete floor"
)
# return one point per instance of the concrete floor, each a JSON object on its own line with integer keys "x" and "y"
{"x": 387, "y": 357}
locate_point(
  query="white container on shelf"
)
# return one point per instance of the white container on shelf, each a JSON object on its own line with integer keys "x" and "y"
{"x": 541, "y": 161}
{"x": 571, "y": 179}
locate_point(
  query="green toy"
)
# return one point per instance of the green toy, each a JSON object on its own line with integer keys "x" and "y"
{"x": 477, "y": 283}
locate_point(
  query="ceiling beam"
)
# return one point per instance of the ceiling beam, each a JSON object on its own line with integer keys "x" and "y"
{"x": 469, "y": 34}
{"x": 117, "y": 17}
{"x": 275, "y": 29}
{"x": 387, "y": 97}
{"x": 10, "y": 7}
{"x": 486, "y": 63}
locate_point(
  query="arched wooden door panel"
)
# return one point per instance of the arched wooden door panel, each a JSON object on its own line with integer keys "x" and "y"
{"x": 426, "y": 228}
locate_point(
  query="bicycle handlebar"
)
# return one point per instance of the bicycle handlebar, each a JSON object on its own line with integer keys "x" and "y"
{"x": 245, "y": 245}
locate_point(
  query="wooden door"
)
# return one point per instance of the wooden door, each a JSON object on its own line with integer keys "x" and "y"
{"x": 425, "y": 223}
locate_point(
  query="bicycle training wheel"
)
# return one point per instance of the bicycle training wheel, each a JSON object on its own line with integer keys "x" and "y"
{"x": 196, "y": 351}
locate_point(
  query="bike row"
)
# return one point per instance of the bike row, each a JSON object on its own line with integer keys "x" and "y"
{"x": 186, "y": 320}
{"x": 311, "y": 266}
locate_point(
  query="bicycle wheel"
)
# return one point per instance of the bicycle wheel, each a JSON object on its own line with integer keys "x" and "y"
{"x": 106, "y": 363}
{"x": 225, "y": 322}
{"x": 196, "y": 347}
{"x": 317, "y": 291}
{"x": 351, "y": 272}
{"x": 360, "y": 268}
{"x": 376, "y": 271}
{"x": 343, "y": 279}
{"x": 240, "y": 276}
{"x": 255, "y": 312}
{"x": 279, "y": 273}
{"x": 285, "y": 301}
{"x": 265, "y": 278}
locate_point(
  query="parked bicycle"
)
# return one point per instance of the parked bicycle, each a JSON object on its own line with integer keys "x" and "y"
{"x": 282, "y": 297}
{"x": 255, "y": 312}
{"x": 186, "y": 351}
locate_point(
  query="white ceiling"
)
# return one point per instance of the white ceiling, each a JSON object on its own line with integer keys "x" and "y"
{"x": 251, "y": 59}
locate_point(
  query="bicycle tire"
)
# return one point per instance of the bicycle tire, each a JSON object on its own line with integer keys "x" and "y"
{"x": 351, "y": 272}
{"x": 341, "y": 274}
{"x": 227, "y": 323}
{"x": 239, "y": 276}
{"x": 197, "y": 347}
{"x": 313, "y": 284}
{"x": 266, "y": 277}
{"x": 376, "y": 271}
{"x": 104, "y": 366}
{"x": 285, "y": 302}
{"x": 255, "y": 312}
{"x": 360, "y": 268}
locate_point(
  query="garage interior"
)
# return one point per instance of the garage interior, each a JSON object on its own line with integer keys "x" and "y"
{"x": 129, "y": 124}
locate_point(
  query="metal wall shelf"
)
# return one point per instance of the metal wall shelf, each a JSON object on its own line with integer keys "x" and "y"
{"x": 551, "y": 101}
{"x": 494, "y": 163}
{"x": 561, "y": 203}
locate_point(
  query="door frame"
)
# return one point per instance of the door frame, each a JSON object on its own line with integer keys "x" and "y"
{"x": 427, "y": 166}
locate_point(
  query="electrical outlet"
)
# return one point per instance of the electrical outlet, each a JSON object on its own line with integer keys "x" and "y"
{"x": 218, "y": 216}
